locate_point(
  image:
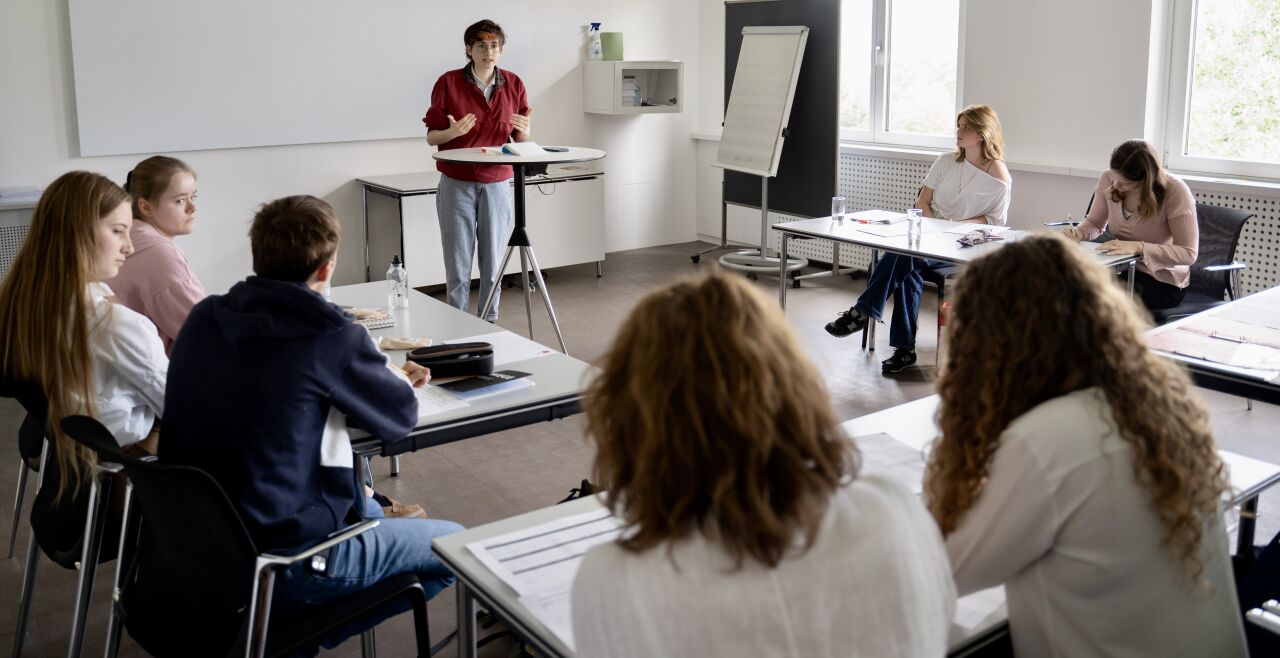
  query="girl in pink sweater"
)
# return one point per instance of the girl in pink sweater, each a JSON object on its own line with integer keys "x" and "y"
{"x": 1152, "y": 214}
{"x": 156, "y": 279}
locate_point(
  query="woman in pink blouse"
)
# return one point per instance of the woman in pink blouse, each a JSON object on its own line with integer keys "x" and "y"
{"x": 156, "y": 279}
{"x": 1152, "y": 214}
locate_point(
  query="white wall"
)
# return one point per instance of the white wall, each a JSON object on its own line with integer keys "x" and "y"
{"x": 650, "y": 167}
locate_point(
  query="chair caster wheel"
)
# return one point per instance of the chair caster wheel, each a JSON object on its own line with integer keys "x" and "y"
{"x": 753, "y": 276}
{"x": 695, "y": 258}
{"x": 795, "y": 283}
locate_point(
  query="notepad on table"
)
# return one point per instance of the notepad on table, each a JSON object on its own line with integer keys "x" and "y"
{"x": 878, "y": 217}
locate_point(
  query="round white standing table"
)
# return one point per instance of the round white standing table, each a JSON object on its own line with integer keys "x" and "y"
{"x": 519, "y": 241}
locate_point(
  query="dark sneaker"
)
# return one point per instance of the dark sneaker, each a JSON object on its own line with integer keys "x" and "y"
{"x": 901, "y": 360}
{"x": 848, "y": 322}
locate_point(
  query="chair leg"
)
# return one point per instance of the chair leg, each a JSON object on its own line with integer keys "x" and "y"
{"x": 421, "y": 629}
{"x": 17, "y": 504}
{"x": 113, "y": 619}
{"x": 33, "y": 563}
{"x": 95, "y": 520}
{"x": 1248, "y": 403}
{"x": 367, "y": 645}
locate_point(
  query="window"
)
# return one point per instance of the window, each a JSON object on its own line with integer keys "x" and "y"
{"x": 898, "y": 71}
{"x": 1224, "y": 88}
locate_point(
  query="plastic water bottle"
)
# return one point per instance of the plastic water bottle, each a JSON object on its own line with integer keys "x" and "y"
{"x": 397, "y": 285}
{"x": 915, "y": 221}
{"x": 595, "y": 52}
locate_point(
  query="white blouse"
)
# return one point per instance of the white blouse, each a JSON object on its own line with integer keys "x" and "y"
{"x": 874, "y": 583}
{"x": 1064, "y": 525}
{"x": 129, "y": 368}
{"x": 962, "y": 191}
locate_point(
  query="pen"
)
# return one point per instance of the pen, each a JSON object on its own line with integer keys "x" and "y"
{"x": 1068, "y": 223}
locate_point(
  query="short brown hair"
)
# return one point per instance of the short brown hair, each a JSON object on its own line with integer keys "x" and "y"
{"x": 292, "y": 237}
{"x": 472, "y": 35}
{"x": 707, "y": 417}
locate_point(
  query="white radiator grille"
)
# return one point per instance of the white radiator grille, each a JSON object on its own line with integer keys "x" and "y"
{"x": 11, "y": 239}
{"x": 1259, "y": 241}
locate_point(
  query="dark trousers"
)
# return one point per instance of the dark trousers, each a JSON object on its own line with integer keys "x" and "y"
{"x": 1155, "y": 294}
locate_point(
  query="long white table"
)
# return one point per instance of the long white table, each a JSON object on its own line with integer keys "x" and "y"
{"x": 911, "y": 423}
{"x": 934, "y": 243}
{"x": 558, "y": 379}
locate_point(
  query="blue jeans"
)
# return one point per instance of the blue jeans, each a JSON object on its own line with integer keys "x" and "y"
{"x": 899, "y": 276}
{"x": 396, "y": 546}
{"x": 475, "y": 218}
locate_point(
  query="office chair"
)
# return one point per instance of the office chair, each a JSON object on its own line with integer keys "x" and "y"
{"x": 30, "y": 443}
{"x": 1213, "y": 275}
{"x": 61, "y": 525}
{"x": 196, "y": 585}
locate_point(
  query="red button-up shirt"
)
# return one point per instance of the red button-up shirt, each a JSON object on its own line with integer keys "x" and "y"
{"x": 456, "y": 94}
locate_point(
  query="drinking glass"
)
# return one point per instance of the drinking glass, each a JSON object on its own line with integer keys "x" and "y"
{"x": 838, "y": 208}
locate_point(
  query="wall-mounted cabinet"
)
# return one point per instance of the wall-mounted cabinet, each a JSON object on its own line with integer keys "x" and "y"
{"x": 633, "y": 87}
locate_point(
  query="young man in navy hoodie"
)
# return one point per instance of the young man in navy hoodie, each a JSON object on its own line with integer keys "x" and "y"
{"x": 262, "y": 381}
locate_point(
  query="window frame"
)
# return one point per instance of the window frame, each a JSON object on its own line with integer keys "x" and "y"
{"x": 1178, "y": 107}
{"x": 880, "y": 57}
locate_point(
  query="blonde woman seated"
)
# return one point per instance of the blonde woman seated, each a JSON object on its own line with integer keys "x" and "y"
{"x": 750, "y": 531}
{"x": 1084, "y": 478}
{"x": 1153, "y": 215}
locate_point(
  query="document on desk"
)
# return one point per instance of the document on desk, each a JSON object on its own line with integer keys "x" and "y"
{"x": 878, "y": 216}
{"x": 433, "y": 400}
{"x": 540, "y": 563}
{"x": 975, "y": 610}
{"x": 508, "y": 347}
{"x": 885, "y": 455}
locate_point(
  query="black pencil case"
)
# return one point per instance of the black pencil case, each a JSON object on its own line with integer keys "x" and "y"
{"x": 455, "y": 359}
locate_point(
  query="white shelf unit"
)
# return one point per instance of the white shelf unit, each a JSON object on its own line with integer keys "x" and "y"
{"x": 658, "y": 85}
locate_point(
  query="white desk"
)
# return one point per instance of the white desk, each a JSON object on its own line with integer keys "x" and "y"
{"x": 935, "y": 243}
{"x": 556, "y": 393}
{"x": 912, "y": 423}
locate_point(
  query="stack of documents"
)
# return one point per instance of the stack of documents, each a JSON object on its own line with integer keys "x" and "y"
{"x": 539, "y": 563}
{"x": 630, "y": 91}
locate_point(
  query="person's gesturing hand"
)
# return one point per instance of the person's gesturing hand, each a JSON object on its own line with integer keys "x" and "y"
{"x": 458, "y": 128}
{"x": 523, "y": 123}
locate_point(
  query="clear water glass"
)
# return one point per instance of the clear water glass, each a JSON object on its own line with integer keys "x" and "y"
{"x": 915, "y": 222}
{"x": 838, "y": 208}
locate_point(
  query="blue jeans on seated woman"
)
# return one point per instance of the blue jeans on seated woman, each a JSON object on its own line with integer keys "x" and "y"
{"x": 901, "y": 277}
{"x": 396, "y": 546}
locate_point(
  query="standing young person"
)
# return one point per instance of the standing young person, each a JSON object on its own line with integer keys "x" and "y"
{"x": 60, "y": 331}
{"x": 749, "y": 529}
{"x": 1153, "y": 215}
{"x": 476, "y": 105}
{"x": 970, "y": 184}
{"x": 262, "y": 383}
{"x": 156, "y": 279}
{"x": 1082, "y": 474}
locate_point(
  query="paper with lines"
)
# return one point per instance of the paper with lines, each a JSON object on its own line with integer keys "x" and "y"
{"x": 540, "y": 563}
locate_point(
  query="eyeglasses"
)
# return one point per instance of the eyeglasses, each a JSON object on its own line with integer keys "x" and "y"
{"x": 491, "y": 46}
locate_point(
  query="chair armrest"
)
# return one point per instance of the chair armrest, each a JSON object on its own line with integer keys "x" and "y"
{"x": 1226, "y": 268}
{"x": 333, "y": 540}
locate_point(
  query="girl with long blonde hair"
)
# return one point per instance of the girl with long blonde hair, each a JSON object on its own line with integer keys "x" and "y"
{"x": 60, "y": 331}
{"x": 1075, "y": 467}
{"x": 749, "y": 530}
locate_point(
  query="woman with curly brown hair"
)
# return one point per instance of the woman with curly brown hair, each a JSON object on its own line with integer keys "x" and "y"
{"x": 1075, "y": 467}
{"x": 749, "y": 528}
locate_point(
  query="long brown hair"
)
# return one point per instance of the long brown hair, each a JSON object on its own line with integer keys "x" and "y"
{"x": 707, "y": 417}
{"x": 1036, "y": 320}
{"x": 44, "y": 307}
{"x": 983, "y": 119}
{"x": 1138, "y": 162}
{"x": 150, "y": 178}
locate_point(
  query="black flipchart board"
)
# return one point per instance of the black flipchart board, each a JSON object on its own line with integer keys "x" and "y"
{"x": 806, "y": 178}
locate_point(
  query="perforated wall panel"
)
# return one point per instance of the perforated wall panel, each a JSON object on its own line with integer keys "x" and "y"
{"x": 11, "y": 239}
{"x": 1259, "y": 241}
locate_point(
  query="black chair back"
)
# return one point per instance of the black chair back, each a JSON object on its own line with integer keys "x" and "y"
{"x": 189, "y": 587}
{"x": 1219, "y": 235}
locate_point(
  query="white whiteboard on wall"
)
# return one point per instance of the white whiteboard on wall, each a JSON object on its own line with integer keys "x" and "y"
{"x": 764, "y": 85}
{"x": 156, "y": 76}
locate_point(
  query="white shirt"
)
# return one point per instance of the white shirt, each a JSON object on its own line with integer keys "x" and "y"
{"x": 129, "y": 368}
{"x": 874, "y": 583}
{"x": 962, "y": 191}
{"x": 1064, "y": 524}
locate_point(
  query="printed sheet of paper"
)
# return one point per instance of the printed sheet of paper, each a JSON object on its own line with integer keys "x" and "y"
{"x": 878, "y": 216}
{"x": 539, "y": 563}
{"x": 883, "y": 454}
{"x": 433, "y": 400}
{"x": 976, "y": 609}
{"x": 508, "y": 347}
{"x": 1258, "y": 361}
